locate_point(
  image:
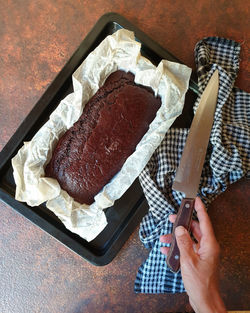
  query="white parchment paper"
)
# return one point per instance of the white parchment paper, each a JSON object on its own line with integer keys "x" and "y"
{"x": 117, "y": 51}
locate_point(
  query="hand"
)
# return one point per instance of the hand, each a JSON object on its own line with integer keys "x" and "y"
{"x": 199, "y": 262}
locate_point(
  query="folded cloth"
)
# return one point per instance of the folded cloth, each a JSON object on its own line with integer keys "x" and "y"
{"x": 227, "y": 161}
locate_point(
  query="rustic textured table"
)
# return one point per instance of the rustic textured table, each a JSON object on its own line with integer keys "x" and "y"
{"x": 39, "y": 274}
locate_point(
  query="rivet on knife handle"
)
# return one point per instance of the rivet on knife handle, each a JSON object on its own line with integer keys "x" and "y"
{"x": 184, "y": 218}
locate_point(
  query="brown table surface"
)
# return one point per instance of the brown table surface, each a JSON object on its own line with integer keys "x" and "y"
{"x": 39, "y": 274}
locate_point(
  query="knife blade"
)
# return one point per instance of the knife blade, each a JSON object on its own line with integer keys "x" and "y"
{"x": 189, "y": 171}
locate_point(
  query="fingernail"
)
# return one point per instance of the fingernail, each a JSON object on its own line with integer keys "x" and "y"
{"x": 179, "y": 231}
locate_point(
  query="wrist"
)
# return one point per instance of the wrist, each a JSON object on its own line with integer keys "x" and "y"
{"x": 213, "y": 304}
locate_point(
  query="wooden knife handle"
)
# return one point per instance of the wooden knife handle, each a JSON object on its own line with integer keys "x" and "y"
{"x": 184, "y": 218}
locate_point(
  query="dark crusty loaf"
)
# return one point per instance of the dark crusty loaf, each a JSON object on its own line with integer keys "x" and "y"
{"x": 94, "y": 149}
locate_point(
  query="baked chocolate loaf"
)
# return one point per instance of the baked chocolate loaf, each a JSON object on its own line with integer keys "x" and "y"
{"x": 94, "y": 149}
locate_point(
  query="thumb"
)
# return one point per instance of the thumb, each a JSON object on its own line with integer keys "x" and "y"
{"x": 184, "y": 242}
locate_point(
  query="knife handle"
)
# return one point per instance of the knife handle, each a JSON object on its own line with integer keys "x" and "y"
{"x": 184, "y": 218}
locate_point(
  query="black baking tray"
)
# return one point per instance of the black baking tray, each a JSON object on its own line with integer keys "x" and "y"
{"x": 128, "y": 211}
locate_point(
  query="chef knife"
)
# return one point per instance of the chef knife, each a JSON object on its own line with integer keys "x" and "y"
{"x": 188, "y": 174}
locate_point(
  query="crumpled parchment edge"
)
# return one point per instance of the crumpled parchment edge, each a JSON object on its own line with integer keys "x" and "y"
{"x": 117, "y": 51}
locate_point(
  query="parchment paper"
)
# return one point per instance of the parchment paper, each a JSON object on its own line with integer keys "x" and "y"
{"x": 117, "y": 51}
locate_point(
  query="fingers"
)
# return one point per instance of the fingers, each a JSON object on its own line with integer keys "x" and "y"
{"x": 202, "y": 231}
{"x": 185, "y": 243}
{"x": 166, "y": 238}
{"x": 209, "y": 246}
{"x": 172, "y": 218}
{"x": 194, "y": 227}
{"x": 165, "y": 250}
{"x": 206, "y": 228}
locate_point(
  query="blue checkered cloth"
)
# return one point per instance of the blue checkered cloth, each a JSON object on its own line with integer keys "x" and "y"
{"x": 227, "y": 161}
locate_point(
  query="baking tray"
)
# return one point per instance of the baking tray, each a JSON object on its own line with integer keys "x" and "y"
{"x": 128, "y": 211}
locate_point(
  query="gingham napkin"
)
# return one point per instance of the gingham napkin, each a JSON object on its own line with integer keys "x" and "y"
{"x": 227, "y": 160}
